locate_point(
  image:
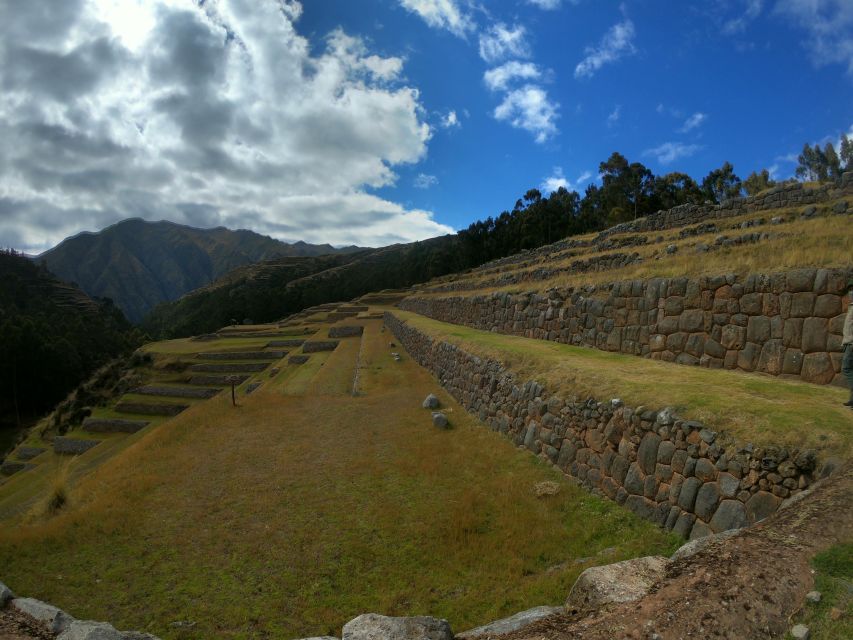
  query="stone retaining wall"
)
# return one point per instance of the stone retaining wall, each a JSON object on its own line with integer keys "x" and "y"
{"x": 786, "y": 195}
{"x": 347, "y": 331}
{"x": 787, "y": 323}
{"x": 677, "y": 473}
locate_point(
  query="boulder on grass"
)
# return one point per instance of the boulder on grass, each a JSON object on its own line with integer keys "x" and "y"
{"x": 624, "y": 581}
{"x": 431, "y": 402}
{"x": 372, "y": 626}
{"x": 440, "y": 420}
{"x": 90, "y": 630}
{"x": 5, "y": 595}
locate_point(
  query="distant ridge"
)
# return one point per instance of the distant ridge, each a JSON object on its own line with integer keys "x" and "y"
{"x": 140, "y": 264}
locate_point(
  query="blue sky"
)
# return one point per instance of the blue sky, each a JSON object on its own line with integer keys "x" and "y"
{"x": 381, "y": 121}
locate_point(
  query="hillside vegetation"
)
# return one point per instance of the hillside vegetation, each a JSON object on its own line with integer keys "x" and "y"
{"x": 53, "y": 337}
{"x": 140, "y": 264}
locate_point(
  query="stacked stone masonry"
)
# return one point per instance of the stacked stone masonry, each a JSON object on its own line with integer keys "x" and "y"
{"x": 677, "y": 473}
{"x": 787, "y": 324}
{"x": 785, "y": 195}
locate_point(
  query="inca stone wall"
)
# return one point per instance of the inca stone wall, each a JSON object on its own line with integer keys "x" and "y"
{"x": 787, "y": 324}
{"x": 786, "y": 195}
{"x": 677, "y": 473}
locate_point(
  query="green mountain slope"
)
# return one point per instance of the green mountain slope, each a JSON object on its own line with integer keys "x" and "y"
{"x": 53, "y": 337}
{"x": 140, "y": 264}
{"x": 273, "y": 289}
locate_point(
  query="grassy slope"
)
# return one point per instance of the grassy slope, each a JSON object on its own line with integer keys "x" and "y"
{"x": 295, "y": 512}
{"x": 751, "y": 407}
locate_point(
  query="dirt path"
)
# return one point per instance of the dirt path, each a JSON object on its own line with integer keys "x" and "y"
{"x": 743, "y": 587}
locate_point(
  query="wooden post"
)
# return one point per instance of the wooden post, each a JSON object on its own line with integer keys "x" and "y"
{"x": 233, "y": 393}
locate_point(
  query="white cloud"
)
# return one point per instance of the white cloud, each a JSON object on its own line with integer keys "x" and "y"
{"x": 739, "y": 24}
{"x": 442, "y": 14}
{"x": 424, "y": 181}
{"x": 829, "y": 24}
{"x": 450, "y": 120}
{"x": 213, "y": 115}
{"x": 557, "y": 179}
{"x": 614, "y": 116}
{"x": 672, "y": 151}
{"x": 529, "y": 108}
{"x": 694, "y": 121}
{"x": 616, "y": 43}
{"x": 501, "y": 42}
{"x": 547, "y": 5}
{"x": 499, "y": 78}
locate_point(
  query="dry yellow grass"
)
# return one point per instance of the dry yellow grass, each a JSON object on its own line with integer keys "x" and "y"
{"x": 815, "y": 242}
{"x": 749, "y": 407}
{"x": 292, "y": 513}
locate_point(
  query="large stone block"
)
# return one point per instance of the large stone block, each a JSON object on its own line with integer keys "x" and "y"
{"x": 758, "y": 329}
{"x": 800, "y": 280}
{"x": 510, "y": 624}
{"x": 648, "y": 451}
{"x": 624, "y": 581}
{"x": 634, "y": 480}
{"x": 692, "y": 321}
{"x": 695, "y": 345}
{"x": 772, "y": 357}
{"x": 687, "y": 496}
{"x": 761, "y": 505}
{"x": 706, "y": 500}
{"x": 792, "y": 334}
{"x": 815, "y": 331}
{"x": 802, "y": 305}
{"x": 372, "y": 626}
{"x": 53, "y": 618}
{"x": 818, "y": 368}
{"x": 747, "y": 358}
{"x": 733, "y": 337}
{"x": 827, "y": 306}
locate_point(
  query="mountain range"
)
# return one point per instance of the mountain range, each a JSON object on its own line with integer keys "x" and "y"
{"x": 140, "y": 264}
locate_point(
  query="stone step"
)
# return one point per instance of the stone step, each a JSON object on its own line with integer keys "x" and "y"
{"x": 230, "y": 368}
{"x": 176, "y": 392}
{"x": 319, "y": 345}
{"x": 243, "y": 355}
{"x": 113, "y": 425}
{"x": 28, "y": 453}
{"x": 286, "y": 343}
{"x": 151, "y": 409}
{"x": 72, "y": 446}
{"x": 9, "y": 468}
{"x": 346, "y": 331}
{"x": 223, "y": 380}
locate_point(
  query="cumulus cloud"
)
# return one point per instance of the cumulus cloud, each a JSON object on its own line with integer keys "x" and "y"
{"x": 424, "y": 181}
{"x": 450, "y": 120}
{"x": 500, "y": 42}
{"x": 829, "y": 24}
{"x": 442, "y": 14}
{"x": 693, "y": 121}
{"x": 615, "y": 44}
{"x": 547, "y": 5}
{"x": 669, "y": 152}
{"x": 499, "y": 78}
{"x": 557, "y": 179}
{"x": 220, "y": 114}
{"x": 531, "y": 109}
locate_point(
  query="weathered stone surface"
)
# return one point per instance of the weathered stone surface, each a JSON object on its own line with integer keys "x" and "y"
{"x": 761, "y": 505}
{"x": 689, "y": 489}
{"x": 319, "y": 345}
{"x": 115, "y": 425}
{"x": 815, "y": 332}
{"x": 634, "y": 480}
{"x": 346, "y": 331}
{"x": 648, "y": 452}
{"x": 512, "y": 623}
{"x": 28, "y": 453}
{"x": 817, "y": 368}
{"x": 691, "y": 548}
{"x": 700, "y": 530}
{"x": 430, "y": 402}
{"x": 800, "y": 632}
{"x": 5, "y": 595}
{"x": 624, "y": 581}
{"x": 706, "y": 500}
{"x": 684, "y": 524}
{"x": 440, "y": 420}
{"x": 90, "y": 630}
{"x": 72, "y": 446}
{"x": 372, "y": 626}
{"x": 731, "y": 514}
{"x": 728, "y": 485}
{"x": 53, "y": 618}
{"x": 705, "y": 470}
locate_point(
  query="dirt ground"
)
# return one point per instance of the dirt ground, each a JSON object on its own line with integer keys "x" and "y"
{"x": 747, "y": 586}
{"x": 18, "y": 626}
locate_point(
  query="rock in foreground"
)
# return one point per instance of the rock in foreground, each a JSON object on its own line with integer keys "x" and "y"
{"x": 372, "y": 626}
{"x": 624, "y": 581}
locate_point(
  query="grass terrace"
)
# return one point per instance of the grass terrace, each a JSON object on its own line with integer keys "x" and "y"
{"x": 749, "y": 407}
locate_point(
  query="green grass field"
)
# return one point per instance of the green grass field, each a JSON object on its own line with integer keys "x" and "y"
{"x": 750, "y": 407}
{"x": 303, "y": 507}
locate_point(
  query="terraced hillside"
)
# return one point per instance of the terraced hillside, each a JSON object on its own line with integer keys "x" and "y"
{"x": 327, "y": 490}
